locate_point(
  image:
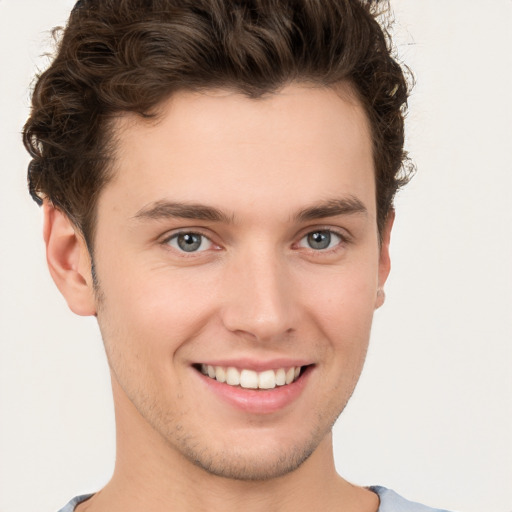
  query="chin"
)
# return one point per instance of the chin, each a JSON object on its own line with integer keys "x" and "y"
{"x": 256, "y": 466}
{"x": 260, "y": 459}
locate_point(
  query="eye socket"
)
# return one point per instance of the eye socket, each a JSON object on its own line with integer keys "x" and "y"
{"x": 320, "y": 240}
{"x": 189, "y": 242}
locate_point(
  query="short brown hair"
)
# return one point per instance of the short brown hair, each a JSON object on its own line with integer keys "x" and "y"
{"x": 120, "y": 56}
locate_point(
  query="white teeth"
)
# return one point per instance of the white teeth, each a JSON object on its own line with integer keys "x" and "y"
{"x": 232, "y": 376}
{"x": 250, "y": 379}
{"x": 220, "y": 374}
{"x": 280, "y": 377}
{"x": 267, "y": 380}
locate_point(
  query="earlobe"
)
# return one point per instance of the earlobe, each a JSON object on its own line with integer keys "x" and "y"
{"x": 384, "y": 259}
{"x": 68, "y": 261}
{"x": 381, "y": 297}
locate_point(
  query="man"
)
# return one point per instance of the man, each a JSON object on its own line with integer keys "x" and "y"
{"x": 217, "y": 181}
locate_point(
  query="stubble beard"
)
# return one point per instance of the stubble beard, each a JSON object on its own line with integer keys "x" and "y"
{"x": 225, "y": 458}
{"x": 236, "y": 464}
{"x": 246, "y": 462}
{"x": 243, "y": 462}
{"x": 231, "y": 461}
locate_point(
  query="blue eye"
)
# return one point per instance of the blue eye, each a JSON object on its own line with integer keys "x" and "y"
{"x": 320, "y": 240}
{"x": 189, "y": 242}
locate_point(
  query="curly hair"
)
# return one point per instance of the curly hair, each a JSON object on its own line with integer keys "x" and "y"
{"x": 119, "y": 56}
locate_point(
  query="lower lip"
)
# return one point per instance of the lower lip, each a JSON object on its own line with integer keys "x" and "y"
{"x": 254, "y": 401}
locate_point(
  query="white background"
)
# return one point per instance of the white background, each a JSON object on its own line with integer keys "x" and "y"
{"x": 432, "y": 415}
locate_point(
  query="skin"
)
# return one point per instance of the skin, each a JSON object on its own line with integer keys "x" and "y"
{"x": 255, "y": 291}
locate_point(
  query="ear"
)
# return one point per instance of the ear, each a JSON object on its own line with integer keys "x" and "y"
{"x": 68, "y": 260}
{"x": 384, "y": 259}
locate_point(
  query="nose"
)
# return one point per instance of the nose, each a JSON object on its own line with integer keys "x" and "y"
{"x": 260, "y": 300}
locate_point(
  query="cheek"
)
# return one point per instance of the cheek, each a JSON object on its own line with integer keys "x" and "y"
{"x": 344, "y": 299}
{"x": 343, "y": 311}
{"x": 154, "y": 312}
{"x": 144, "y": 323}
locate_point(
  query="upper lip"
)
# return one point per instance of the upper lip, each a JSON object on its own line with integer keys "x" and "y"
{"x": 257, "y": 365}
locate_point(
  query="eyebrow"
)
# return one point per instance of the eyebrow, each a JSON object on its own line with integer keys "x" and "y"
{"x": 164, "y": 209}
{"x": 332, "y": 208}
{"x": 167, "y": 209}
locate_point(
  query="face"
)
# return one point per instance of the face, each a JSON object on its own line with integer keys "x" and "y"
{"x": 238, "y": 267}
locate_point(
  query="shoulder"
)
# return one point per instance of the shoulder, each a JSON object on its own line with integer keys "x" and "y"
{"x": 390, "y": 501}
{"x": 70, "y": 507}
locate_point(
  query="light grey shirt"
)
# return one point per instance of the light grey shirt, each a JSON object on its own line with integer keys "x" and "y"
{"x": 390, "y": 501}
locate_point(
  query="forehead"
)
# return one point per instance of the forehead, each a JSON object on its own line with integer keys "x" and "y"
{"x": 219, "y": 147}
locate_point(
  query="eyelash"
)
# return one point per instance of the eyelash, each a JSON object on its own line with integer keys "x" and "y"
{"x": 343, "y": 240}
{"x": 175, "y": 236}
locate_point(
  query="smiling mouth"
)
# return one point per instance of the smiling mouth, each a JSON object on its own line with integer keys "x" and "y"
{"x": 250, "y": 379}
